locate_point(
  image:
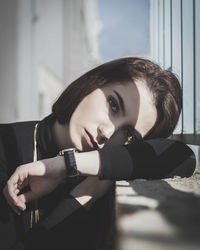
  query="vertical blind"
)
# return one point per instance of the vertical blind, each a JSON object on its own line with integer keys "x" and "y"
{"x": 175, "y": 45}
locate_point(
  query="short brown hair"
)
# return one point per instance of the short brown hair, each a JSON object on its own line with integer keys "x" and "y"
{"x": 163, "y": 85}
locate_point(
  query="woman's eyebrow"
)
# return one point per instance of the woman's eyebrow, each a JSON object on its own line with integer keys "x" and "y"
{"x": 121, "y": 102}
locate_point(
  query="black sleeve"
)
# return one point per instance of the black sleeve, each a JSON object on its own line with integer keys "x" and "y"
{"x": 64, "y": 208}
{"x": 3, "y": 178}
{"x": 67, "y": 210}
{"x": 3, "y": 201}
{"x": 150, "y": 159}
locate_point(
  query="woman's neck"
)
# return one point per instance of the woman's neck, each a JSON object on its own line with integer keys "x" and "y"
{"x": 61, "y": 135}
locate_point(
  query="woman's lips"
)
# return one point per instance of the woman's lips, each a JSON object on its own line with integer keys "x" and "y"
{"x": 89, "y": 139}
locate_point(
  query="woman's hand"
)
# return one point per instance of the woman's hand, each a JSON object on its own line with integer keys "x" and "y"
{"x": 41, "y": 177}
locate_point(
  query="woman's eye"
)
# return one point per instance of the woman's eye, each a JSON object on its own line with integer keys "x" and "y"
{"x": 113, "y": 104}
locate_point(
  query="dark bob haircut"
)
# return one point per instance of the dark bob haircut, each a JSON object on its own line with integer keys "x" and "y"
{"x": 163, "y": 85}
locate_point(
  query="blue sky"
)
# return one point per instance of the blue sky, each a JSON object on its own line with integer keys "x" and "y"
{"x": 125, "y": 28}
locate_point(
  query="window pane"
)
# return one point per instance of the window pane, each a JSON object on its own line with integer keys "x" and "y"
{"x": 167, "y": 34}
{"x": 197, "y": 63}
{"x": 160, "y": 33}
{"x": 176, "y": 47}
{"x": 188, "y": 66}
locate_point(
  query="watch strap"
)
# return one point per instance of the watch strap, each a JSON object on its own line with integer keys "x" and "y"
{"x": 70, "y": 162}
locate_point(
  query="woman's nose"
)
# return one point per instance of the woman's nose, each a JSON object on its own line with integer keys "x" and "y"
{"x": 105, "y": 131}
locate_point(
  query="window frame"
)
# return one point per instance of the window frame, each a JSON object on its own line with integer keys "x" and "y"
{"x": 175, "y": 45}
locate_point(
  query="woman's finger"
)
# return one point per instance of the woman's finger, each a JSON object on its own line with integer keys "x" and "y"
{"x": 17, "y": 191}
{"x": 17, "y": 209}
{"x": 23, "y": 184}
{"x": 10, "y": 192}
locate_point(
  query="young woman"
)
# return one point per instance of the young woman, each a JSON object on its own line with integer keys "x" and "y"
{"x": 115, "y": 118}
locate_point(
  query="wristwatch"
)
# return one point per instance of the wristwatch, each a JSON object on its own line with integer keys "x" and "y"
{"x": 70, "y": 162}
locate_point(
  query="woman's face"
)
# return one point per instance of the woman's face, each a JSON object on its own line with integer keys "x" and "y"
{"x": 111, "y": 116}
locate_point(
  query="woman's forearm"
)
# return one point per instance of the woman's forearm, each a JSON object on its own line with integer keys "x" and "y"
{"x": 91, "y": 189}
{"x": 88, "y": 163}
{"x": 150, "y": 159}
{"x": 159, "y": 158}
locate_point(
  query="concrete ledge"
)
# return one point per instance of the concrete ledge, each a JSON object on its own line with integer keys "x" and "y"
{"x": 158, "y": 214}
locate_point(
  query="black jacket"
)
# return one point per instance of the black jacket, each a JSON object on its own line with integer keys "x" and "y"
{"x": 64, "y": 222}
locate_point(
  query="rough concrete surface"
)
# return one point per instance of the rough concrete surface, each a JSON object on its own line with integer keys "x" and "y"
{"x": 159, "y": 214}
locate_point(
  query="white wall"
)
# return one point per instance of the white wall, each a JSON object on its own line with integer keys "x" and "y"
{"x": 44, "y": 45}
{"x": 8, "y": 60}
{"x": 81, "y": 48}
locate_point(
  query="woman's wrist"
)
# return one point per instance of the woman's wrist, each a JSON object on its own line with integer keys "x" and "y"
{"x": 58, "y": 166}
{"x": 88, "y": 163}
